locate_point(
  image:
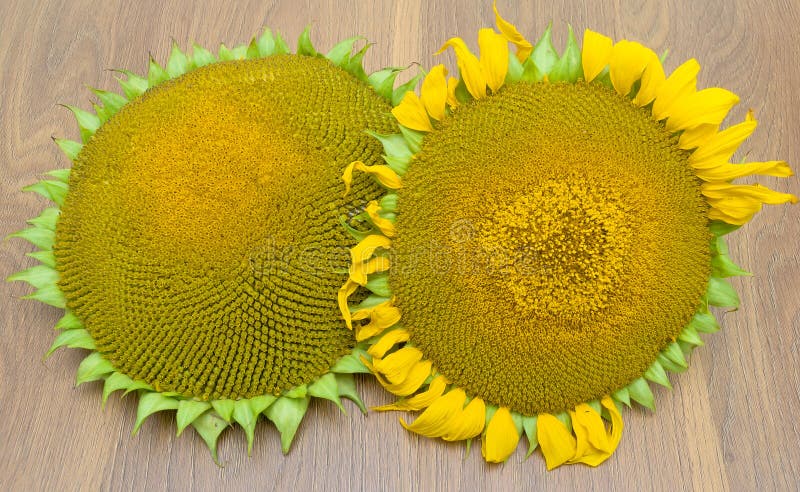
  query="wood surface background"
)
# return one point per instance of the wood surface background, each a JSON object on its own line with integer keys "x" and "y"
{"x": 731, "y": 421}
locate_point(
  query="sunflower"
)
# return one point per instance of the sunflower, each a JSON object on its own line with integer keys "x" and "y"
{"x": 550, "y": 242}
{"x": 194, "y": 244}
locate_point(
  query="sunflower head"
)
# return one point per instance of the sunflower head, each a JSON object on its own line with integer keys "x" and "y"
{"x": 551, "y": 242}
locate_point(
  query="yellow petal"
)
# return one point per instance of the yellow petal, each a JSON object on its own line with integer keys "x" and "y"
{"x": 557, "y": 443}
{"x": 469, "y": 66}
{"x": 388, "y": 341}
{"x": 377, "y": 264}
{"x": 596, "y": 54}
{"x": 382, "y": 316}
{"x": 652, "y": 80}
{"x": 468, "y": 423}
{"x": 362, "y": 252}
{"x": 736, "y": 217}
{"x": 385, "y": 225}
{"x": 434, "y": 92}
{"x": 411, "y": 113}
{"x": 697, "y": 136}
{"x": 626, "y": 65}
{"x": 434, "y": 420}
{"x": 509, "y": 31}
{"x": 728, "y": 172}
{"x": 396, "y": 366}
{"x": 494, "y": 58}
{"x": 501, "y": 437}
{"x": 420, "y": 401}
{"x": 383, "y": 174}
{"x": 720, "y": 147}
{"x": 709, "y": 106}
{"x": 593, "y": 445}
{"x": 415, "y": 378}
{"x": 344, "y": 293}
{"x": 682, "y": 82}
{"x": 718, "y": 191}
{"x": 616, "y": 422}
{"x": 452, "y": 83}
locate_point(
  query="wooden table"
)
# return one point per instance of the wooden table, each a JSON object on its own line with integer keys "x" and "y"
{"x": 730, "y": 423}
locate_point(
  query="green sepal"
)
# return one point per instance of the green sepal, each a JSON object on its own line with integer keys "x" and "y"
{"x": 674, "y": 353}
{"x": 529, "y": 427}
{"x": 150, "y": 403}
{"x": 339, "y": 55}
{"x": 668, "y": 364}
{"x": 530, "y": 72}
{"x": 399, "y": 93}
{"x": 68, "y": 322}
{"x": 63, "y": 174}
{"x": 719, "y": 228}
{"x": 304, "y": 44}
{"x": 101, "y": 113}
{"x": 623, "y": 395}
{"x": 704, "y": 323}
{"x": 664, "y": 56}
{"x": 396, "y": 152}
{"x": 209, "y": 426}
{"x": 371, "y": 301}
{"x": 70, "y": 148}
{"x": 55, "y": 191}
{"x": 389, "y": 202}
{"x": 137, "y": 385}
{"x": 93, "y": 368}
{"x": 237, "y": 53}
{"x": 568, "y": 68}
{"x": 38, "y": 276}
{"x": 327, "y": 388}
{"x": 114, "y": 382}
{"x": 246, "y": 412}
{"x": 640, "y": 392}
{"x": 188, "y": 412}
{"x": 178, "y": 63}
{"x": 721, "y": 294}
{"x": 112, "y": 102}
{"x": 490, "y": 411}
{"x": 378, "y": 283}
{"x": 47, "y": 219}
{"x": 281, "y": 48}
{"x": 38, "y": 236}
{"x": 544, "y": 54}
{"x": 155, "y": 74}
{"x": 45, "y": 257}
{"x": 134, "y": 86}
{"x": 565, "y": 419}
{"x": 87, "y": 122}
{"x": 351, "y": 363}
{"x": 347, "y": 389}
{"x": 355, "y": 66}
{"x": 383, "y": 81}
{"x": 721, "y": 264}
{"x": 595, "y": 405}
{"x": 224, "y": 53}
{"x": 72, "y": 339}
{"x": 657, "y": 374}
{"x": 297, "y": 392}
{"x": 354, "y": 233}
{"x": 515, "y": 69}
{"x": 413, "y": 138}
{"x": 224, "y": 408}
{"x": 50, "y": 295}
{"x": 253, "y": 53}
{"x": 462, "y": 94}
{"x": 201, "y": 56}
{"x": 266, "y": 44}
{"x": 689, "y": 335}
{"x": 287, "y": 413}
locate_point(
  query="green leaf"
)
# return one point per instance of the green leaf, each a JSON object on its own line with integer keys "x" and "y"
{"x": 155, "y": 74}
{"x": 114, "y": 382}
{"x": 529, "y": 427}
{"x": 297, "y": 392}
{"x": 266, "y": 44}
{"x": 134, "y": 86}
{"x": 721, "y": 293}
{"x": 63, "y": 174}
{"x": 281, "y": 48}
{"x": 544, "y": 54}
{"x": 347, "y": 389}
{"x": 640, "y": 392}
{"x": 209, "y": 426}
{"x": 45, "y": 256}
{"x": 55, "y": 191}
{"x": 50, "y": 295}
{"x": 658, "y": 375}
{"x": 568, "y": 68}
{"x": 112, "y": 102}
{"x": 400, "y": 92}
{"x": 68, "y": 322}
{"x": 623, "y": 395}
{"x": 674, "y": 353}
{"x": 70, "y": 148}
{"x": 73, "y": 339}
{"x": 47, "y": 219}
{"x": 354, "y": 65}
{"x": 201, "y": 56}
{"x": 286, "y": 414}
{"x": 719, "y": 228}
{"x": 224, "y": 408}
{"x": 704, "y": 323}
{"x": 93, "y": 368}
{"x": 38, "y": 276}
{"x": 304, "y": 45}
{"x": 178, "y": 62}
{"x": 38, "y": 236}
{"x": 188, "y": 412}
{"x": 378, "y": 283}
{"x": 689, "y": 335}
{"x": 327, "y": 388}
{"x": 87, "y": 122}
{"x": 150, "y": 403}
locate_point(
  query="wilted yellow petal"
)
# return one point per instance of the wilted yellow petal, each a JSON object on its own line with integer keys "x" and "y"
{"x": 728, "y": 172}
{"x": 509, "y": 31}
{"x": 382, "y": 316}
{"x": 395, "y": 366}
{"x": 434, "y": 420}
{"x": 362, "y": 252}
{"x": 420, "y": 401}
{"x": 388, "y": 341}
{"x": 468, "y": 423}
{"x": 469, "y": 66}
{"x": 626, "y": 65}
{"x": 434, "y": 92}
{"x": 344, "y": 293}
{"x": 415, "y": 378}
{"x": 494, "y": 58}
{"x": 557, "y": 443}
{"x": 377, "y": 264}
{"x": 709, "y": 106}
{"x": 596, "y": 54}
{"x": 383, "y": 174}
{"x": 501, "y": 437}
{"x": 385, "y": 225}
{"x": 680, "y": 83}
{"x": 411, "y": 113}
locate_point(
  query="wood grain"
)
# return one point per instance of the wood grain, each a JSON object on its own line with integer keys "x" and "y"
{"x": 730, "y": 422}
